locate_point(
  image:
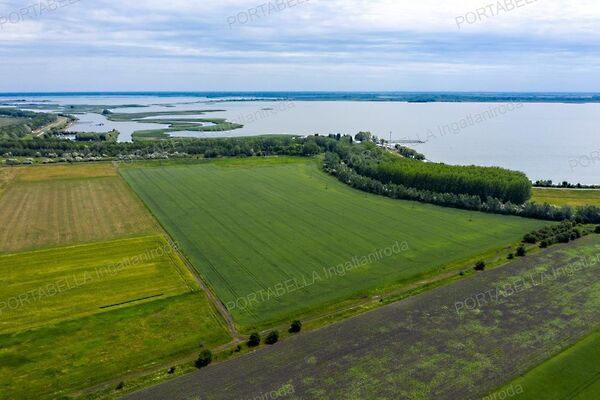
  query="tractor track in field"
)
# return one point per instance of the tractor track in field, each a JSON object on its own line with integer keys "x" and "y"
{"x": 219, "y": 306}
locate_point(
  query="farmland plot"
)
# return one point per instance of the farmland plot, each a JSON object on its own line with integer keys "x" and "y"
{"x": 75, "y": 316}
{"x": 459, "y": 341}
{"x": 277, "y": 237}
{"x": 38, "y": 213}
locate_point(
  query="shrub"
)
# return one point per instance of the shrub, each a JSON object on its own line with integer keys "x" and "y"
{"x": 295, "y": 327}
{"x": 563, "y": 238}
{"x": 171, "y": 370}
{"x": 254, "y": 340}
{"x": 480, "y": 266}
{"x": 204, "y": 359}
{"x": 511, "y": 256}
{"x": 530, "y": 238}
{"x": 597, "y": 229}
{"x": 521, "y": 251}
{"x": 544, "y": 244}
{"x": 121, "y": 385}
{"x": 272, "y": 338}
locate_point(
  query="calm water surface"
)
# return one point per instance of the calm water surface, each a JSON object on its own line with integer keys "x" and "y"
{"x": 546, "y": 141}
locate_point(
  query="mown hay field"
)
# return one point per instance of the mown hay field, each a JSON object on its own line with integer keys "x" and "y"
{"x": 277, "y": 237}
{"x": 42, "y": 209}
{"x": 65, "y": 171}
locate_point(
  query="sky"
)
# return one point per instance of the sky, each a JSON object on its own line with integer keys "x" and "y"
{"x": 300, "y": 45}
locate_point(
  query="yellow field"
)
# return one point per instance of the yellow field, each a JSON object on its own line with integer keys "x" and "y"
{"x": 567, "y": 197}
{"x": 47, "y": 286}
{"x": 68, "y": 211}
{"x": 64, "y": 171}
{"x": 6, "y": 177}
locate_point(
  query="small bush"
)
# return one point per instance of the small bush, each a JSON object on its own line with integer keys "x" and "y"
{"x": 171, "y": 370}
{"x": 121, "y": 385}
{"x": 530, "y": 238}
{"x": 563, "y": 238}
{"x": 544, "y": 244}
{"x": 295, "y": 327}
{"x": 521, "y": 251}
{"x": 204, "y": 359}
{"x": 511, "y": 256}
{"x": 254, "y": 340}
{"x": 272, "y": 338}
{"x": 238, "y": 348}
{"x": 597, "y": 230}
{"x": 480, "y": 266}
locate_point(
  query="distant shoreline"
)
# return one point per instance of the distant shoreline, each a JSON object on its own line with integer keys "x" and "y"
{"x": 405, "y": 97}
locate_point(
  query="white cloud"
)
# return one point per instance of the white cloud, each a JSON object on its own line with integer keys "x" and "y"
{"x": 320, "y": 40}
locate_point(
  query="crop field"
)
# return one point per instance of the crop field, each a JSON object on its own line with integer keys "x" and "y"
{"x": 75, "y": 316}
{"x": 53, "y": 212}
{"x": 567, "y": 197}
{"x": 460, "y": 341}
{"x": 276, "y": 238}
{"x": 573, "y": 374}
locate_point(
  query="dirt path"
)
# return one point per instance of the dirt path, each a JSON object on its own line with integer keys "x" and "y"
{"x": 61, "y": 122}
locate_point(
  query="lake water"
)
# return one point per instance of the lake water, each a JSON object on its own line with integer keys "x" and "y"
{"x": 545, "y": 140}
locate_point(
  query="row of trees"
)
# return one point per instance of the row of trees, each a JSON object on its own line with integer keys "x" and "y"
{"x": 334, "y": 165}
{"x": 213, "y": 147}
{"x": 371, "y": 161}
{"x": 364, "y": 166}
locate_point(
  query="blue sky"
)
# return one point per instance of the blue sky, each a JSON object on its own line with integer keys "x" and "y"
{"x": 395, "y": 45}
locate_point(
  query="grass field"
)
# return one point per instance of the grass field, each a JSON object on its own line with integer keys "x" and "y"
{"x": 573, "y": 374}
{"x": 75, "y": 316}
{"x": 75, "y": 354}
{"x": 277, "y": 237}
{"x": 39, "y": 209}
{"x": 48, "y": 286}
{"x": 567, "y": 197}
{"x": 442, "y": 344}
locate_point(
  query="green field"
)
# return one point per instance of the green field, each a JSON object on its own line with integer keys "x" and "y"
{"x": 276, "y": 238}
{"x": 567, "y": 197}
{"x": 573, "y": 374}
{"x": 76, "y": 316}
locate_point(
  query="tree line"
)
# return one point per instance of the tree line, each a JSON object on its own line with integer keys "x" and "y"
{"x": 25, "y": 122}
{"x": 334, "y": 165}
{"x": 364, "y": 166}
